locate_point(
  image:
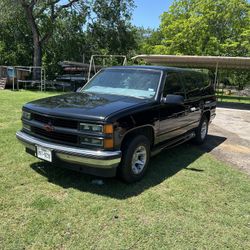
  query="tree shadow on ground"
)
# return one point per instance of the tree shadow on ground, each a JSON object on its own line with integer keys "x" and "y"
{"x": 233, "y": 105}
{"x": 161, "y": 167}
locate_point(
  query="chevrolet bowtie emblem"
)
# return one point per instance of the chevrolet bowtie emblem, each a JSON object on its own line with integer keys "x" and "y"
{"x": 48, "y": 127}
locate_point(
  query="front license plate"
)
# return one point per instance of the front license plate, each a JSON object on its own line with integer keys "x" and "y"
{"x": 44, "y": 153}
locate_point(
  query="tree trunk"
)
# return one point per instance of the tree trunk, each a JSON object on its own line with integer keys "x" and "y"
{"x": 37, "y": 59}
{"x": 38, "y": 41}
{"x": 37, "y": 46}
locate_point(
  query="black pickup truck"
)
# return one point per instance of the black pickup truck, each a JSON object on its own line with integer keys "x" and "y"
{"x": 120, "y": 118}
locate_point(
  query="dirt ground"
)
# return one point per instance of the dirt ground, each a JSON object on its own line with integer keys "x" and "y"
{"x": 229, "y": 137}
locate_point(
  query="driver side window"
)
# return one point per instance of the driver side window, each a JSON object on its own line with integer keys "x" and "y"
{"x": 173, "y": 85}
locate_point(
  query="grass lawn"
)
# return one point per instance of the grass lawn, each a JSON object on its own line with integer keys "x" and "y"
{"x": 234, "y": 99}
{"x": 188, "y": 200}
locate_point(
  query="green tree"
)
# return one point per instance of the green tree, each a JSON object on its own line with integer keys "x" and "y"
{"x": 109, "y": 29}
{"x": 39, "y": 20}
{"x": 41, "y": 17}
{"x": 208, "y": 27}
{"x": 148, "y": 40}
{"x": 67, "y": 43}
{"x": 105, "y": 29}
{"x": 64, "y": 30}
{"x": 15, "y": 42}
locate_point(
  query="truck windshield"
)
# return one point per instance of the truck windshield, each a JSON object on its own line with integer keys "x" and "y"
{"x": 138, "y": 83}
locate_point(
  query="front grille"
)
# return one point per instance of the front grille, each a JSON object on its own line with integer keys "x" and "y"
{"x": 68, "y": 138}
{"x": 58, "y": 122}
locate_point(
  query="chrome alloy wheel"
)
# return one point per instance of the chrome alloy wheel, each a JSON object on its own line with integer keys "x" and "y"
{"x": 203, "y": 130}
{"x": 139, "y": 159}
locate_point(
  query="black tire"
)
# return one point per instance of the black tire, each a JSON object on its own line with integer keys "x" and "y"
{"x": 126, "y": 168}
{"x": 200, "y": 137}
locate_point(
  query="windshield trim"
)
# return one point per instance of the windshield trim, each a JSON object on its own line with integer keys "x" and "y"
{"x": 141, "y": 69}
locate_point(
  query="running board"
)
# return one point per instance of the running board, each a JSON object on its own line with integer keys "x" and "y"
{"x": 173, "y": 143}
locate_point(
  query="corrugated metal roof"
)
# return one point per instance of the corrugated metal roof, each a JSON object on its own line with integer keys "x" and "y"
{"x": 197, "y": 61}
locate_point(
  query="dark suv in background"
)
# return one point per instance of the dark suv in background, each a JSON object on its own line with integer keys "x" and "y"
{"x": 119, "y": 119}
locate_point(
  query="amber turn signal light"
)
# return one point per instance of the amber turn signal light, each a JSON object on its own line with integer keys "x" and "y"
{"x": 108, "y": 143}
{"x": 108, "y": 129}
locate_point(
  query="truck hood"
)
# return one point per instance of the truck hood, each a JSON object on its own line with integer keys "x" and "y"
{"x": 86, "y": 106}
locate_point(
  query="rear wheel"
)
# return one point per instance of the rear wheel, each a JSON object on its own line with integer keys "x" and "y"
{"x": 201, "y": 131}
{"x": 135, "y": 158}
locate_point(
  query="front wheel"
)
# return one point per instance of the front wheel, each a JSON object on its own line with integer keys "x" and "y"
{"x": 135, "y": 158}
{"x": 201, "y": 131}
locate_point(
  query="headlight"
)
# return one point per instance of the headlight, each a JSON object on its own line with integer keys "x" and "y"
{"x": 91, "y": 141}
{"x": 87, "y": 127}
{"x": 26, "y": 115}
{"x": 105, "y": 130}
{"x": 26, "y": 127}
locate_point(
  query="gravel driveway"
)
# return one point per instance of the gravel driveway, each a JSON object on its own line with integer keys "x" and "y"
{"x": 229, "y": 137}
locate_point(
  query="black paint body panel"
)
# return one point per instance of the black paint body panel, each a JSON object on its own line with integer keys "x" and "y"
{"x": 128, "y": 114}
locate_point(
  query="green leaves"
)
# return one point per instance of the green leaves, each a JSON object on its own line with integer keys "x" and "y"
{"x": 85, "y": 27}
{"x": 206, "y": 27}
{"x": 110, "y": 28}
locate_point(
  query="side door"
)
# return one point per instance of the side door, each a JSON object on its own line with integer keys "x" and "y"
{"x": 193, "y": 100}
{"x": 172, "y": 116}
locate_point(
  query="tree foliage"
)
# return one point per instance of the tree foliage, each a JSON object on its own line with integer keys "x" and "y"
{"x": 106, "y": 29}
{"x": 63, "y": 30}
{"x": 66, "y": 30}
{"x": 109, "y": 28}
{"x": 14, "y": 37}
{"x": 41, "y": 17}
{"x": 209, "y": 27}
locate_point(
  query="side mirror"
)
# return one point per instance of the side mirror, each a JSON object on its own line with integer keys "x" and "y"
{"x": 173, "y": 99}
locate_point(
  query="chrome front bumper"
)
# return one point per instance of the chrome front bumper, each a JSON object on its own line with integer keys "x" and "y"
{"x": 85, "y": 157}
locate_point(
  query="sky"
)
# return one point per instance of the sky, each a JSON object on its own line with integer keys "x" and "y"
{"x": 147, "y": 13}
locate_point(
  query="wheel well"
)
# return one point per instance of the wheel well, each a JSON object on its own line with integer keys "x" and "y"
{"x": 146, "y": 131}
{"x": 207, "y": 114}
